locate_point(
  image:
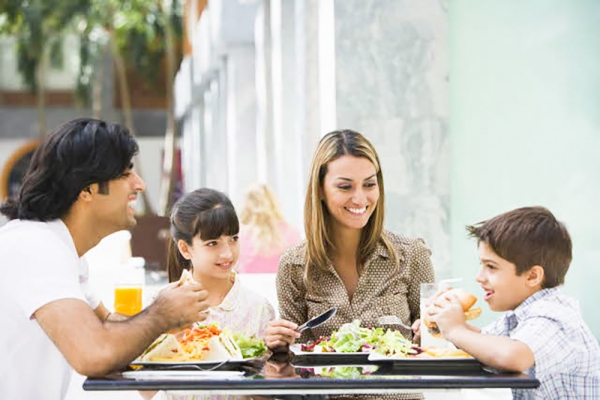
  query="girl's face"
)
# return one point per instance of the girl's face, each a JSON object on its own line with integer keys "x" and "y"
{"x": 211, "y": 258}
{"x": 351, "y": 191}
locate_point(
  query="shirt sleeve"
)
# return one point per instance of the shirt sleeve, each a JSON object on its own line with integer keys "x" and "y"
{"x": 421, "y": 271}
{"x": 267, "y": 315}
{"x": 291, "y": 292}
{"x": 497, "y": 328}
{"x": 50, "y": 275}
{"x": 547, "y": 340}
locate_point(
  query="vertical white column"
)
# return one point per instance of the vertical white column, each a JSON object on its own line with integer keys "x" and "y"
{"x": 287, "y": 96}
{"x": 241, "y": 120}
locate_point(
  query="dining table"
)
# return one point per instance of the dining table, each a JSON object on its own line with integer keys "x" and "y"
{"x": 311, "y": 376}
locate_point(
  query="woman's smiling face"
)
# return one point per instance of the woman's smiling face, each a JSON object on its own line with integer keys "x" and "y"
{"x": 351, "y": 191}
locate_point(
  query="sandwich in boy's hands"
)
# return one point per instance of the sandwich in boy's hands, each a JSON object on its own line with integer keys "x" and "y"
{"x": 448, "y": 309}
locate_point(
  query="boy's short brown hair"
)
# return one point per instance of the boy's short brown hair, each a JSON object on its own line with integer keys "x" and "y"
{"x": 526, "y": 237}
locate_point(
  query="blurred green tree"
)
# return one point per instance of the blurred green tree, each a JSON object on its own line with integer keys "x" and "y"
{"x": 37, "y": 26}
{"x": 136, "y": 33}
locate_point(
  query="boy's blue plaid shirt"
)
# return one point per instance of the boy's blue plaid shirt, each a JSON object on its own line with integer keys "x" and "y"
{"x": 567, "y": 356}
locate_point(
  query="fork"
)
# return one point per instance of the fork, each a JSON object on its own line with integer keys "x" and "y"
{"x": 392, "y": 320}
{"x": 191, "y": 366}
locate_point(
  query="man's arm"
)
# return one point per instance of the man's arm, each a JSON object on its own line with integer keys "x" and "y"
{"x": 95, "y": 348}
{"x": 105, "y": 315}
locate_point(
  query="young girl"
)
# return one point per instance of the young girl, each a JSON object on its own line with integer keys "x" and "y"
{"x": 204, "y": 230}
{"x": 265, "y": 234}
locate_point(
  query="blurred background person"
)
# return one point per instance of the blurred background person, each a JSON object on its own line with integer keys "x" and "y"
{"x": 264, "y": 234}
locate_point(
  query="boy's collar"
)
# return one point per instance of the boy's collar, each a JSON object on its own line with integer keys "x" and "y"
{"x": 532, "y": 299}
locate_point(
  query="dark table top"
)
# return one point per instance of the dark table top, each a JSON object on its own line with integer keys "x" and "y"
{"x": 292, "y": 375}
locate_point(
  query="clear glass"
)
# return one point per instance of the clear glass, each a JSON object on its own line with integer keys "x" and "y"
{"x": 428, "y": 292}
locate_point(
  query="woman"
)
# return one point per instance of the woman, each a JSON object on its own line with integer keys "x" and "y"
{"x": 264, "y": 234}
{"x": 348, "y": 260}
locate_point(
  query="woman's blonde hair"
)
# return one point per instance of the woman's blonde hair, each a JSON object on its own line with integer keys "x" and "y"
{"x": 262, "y": 218}
{"x": 317, "y": 220}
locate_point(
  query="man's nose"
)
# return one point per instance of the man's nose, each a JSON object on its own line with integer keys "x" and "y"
{"x": 139, "y": 184}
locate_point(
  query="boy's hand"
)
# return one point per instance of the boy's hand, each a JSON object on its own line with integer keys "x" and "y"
{"x": 447, "y": 312}
{"x": 416, "y": 328}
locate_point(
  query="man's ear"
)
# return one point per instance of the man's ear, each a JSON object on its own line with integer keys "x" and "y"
{"x": 86, "y": 193}
{"x": 184, "y": 249}
{"x": 535, "y": 276}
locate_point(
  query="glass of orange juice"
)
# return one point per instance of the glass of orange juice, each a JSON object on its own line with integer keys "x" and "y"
{"x": 128, "y": 299}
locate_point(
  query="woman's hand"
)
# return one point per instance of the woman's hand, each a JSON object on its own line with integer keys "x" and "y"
{"x": 280, "y": 334}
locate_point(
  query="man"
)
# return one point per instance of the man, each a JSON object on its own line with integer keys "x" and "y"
{"x": 80, "y": 187}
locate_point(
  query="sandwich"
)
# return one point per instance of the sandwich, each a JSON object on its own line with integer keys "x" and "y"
{"x": 186, "y": 278}
{"x": 222, "y": 347}
{"x": 165, "y": 348}
{"x": 467, "y": 300}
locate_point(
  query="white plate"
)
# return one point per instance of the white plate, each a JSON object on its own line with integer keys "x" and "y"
{"x": 181, "y": 375}
{"x": 374, "y": 356}
{"x": 297, "y": 350}
{"x": 203, "y": 364}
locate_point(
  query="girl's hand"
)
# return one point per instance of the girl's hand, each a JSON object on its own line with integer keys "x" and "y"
{"x": 280, "y": 334}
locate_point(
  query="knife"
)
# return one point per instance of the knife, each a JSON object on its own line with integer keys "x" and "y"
{"x": 318, "y": 320}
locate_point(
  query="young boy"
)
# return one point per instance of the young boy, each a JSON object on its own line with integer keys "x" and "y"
{"x": 525, "y": 254}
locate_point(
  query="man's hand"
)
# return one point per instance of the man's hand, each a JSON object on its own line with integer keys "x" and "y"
{"x": 178, "y": 305}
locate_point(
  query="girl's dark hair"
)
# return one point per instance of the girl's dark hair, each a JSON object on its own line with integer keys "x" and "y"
{"x": 205, "y": 212}
{"x": 79, "y": 153}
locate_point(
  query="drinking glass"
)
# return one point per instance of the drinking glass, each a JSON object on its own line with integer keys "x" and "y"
{"x": 128, "y": 299}
{"x": 428, "y": 292}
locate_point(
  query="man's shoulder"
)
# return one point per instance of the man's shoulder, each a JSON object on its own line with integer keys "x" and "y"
{"x": 45, "y": 237}
{"x": 15, "y": 230}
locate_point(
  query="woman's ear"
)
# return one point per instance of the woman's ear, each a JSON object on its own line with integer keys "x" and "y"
{"x": 184, "y": 249}
{"x": 535, "y": 276}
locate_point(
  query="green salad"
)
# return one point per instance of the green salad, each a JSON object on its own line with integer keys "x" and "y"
{"x": 352, "y": 338}
{"x": 250, "y": 346}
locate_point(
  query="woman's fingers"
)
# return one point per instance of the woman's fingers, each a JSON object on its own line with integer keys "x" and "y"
{"x": 281, "y": 333}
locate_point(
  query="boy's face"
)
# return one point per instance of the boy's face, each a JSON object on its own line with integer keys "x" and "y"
{"x": 504, "y": 289}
